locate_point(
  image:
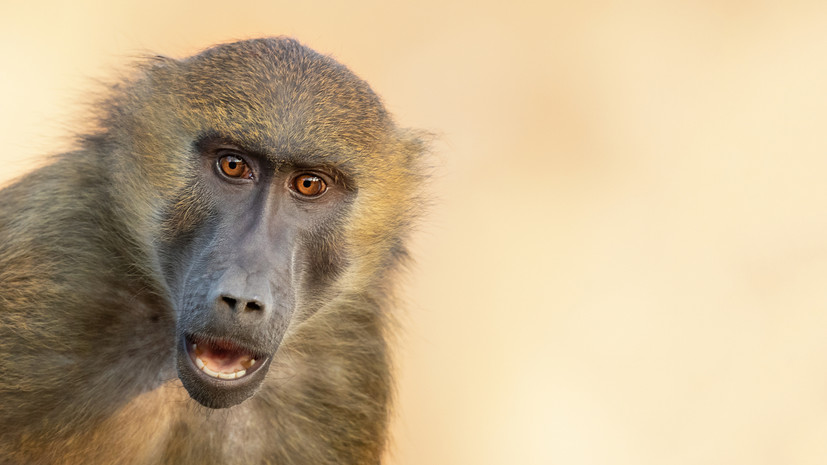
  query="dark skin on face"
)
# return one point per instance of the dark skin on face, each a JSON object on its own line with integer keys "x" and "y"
{"x": 236, "y": 291}
{"x": 209, "y": 276}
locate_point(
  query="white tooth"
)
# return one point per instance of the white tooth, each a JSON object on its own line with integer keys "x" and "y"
{"x": 203, "y": 367}
{"x": 194, "y": 346}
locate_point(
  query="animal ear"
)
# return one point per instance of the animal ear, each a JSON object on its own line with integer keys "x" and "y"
{"x": 415, "y": 144}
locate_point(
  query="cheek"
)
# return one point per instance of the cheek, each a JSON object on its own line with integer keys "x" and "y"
{"x": 182, "y": 256}
{"x": 191, "y": 295}
{"x": 321, "y": 258}
{"x": 187, "y": 227}
{"x": 187, "y": 213}
{"x": 322, "y": 242}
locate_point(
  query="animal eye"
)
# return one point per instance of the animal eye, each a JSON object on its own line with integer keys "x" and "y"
{"x": 234, "y": 167}
{"x": 308, "y": 185}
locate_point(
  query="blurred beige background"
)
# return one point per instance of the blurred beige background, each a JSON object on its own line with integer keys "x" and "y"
{"x": 627, "y": 259}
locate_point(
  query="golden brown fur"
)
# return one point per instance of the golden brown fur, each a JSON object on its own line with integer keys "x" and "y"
{"x": 90, "y": 255}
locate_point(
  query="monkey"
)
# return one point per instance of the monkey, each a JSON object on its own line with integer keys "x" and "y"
{"x": 208, "y": 275}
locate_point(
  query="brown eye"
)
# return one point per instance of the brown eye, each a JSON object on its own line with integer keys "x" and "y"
{"x": 235, "y": 167}
{"x": 309, "y": 185}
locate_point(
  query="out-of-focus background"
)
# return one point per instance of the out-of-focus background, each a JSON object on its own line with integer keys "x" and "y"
{"x": 626, "y": 260}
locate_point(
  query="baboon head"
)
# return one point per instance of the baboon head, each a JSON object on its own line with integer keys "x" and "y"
{"x": 268, "y": 180}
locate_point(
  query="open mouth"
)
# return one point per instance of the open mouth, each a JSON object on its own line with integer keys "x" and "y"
{"x": 222, "y": 359}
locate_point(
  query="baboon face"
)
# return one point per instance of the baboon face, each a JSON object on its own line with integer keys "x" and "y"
{"x": 255, "y": 237}
{"x": 238, "y": 278}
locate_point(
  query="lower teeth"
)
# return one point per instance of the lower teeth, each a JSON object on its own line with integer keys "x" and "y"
{"x": 236, "y": 374}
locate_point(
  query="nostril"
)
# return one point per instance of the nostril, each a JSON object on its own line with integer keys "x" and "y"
{"x": 238, "y": 305}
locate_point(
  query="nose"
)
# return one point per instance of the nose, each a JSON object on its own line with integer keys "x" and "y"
{"x": 241, "y": 292}
{"x": 241, "y": 304}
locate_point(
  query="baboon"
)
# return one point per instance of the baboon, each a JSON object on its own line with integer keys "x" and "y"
{"x": 208, "y": 276}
